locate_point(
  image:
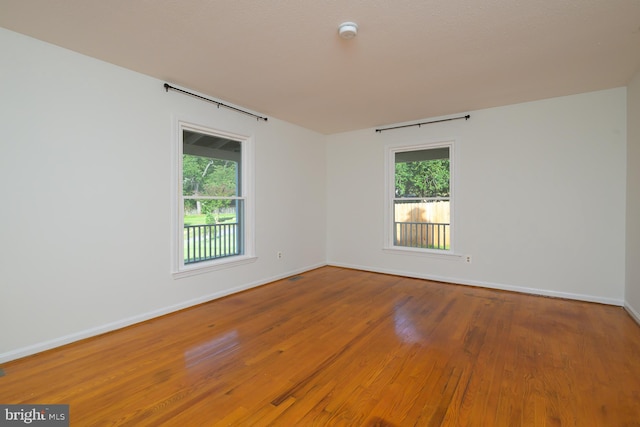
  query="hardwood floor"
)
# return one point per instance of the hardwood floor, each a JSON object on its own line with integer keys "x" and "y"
{"x": 343, "y": 347}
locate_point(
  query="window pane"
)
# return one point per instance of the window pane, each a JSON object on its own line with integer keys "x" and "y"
{"x": 210, "y": 165}
{"x": 422, "y": 224}
{"x": 212, "y": 229}
{"x": 422, "y": 173}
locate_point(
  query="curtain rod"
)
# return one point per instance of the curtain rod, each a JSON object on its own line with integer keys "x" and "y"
{"x": 167, "y": 86}
{"x": 425, "y": 123}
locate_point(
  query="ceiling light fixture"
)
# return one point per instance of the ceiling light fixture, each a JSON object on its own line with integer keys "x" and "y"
{"x": 348, "y": 30}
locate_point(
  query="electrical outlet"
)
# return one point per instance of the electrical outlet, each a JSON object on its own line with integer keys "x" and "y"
{"x": 468, "y": 259}
{"x": 279, "y": 255}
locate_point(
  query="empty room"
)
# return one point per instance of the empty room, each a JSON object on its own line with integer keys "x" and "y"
{"x": 292, "y": 213}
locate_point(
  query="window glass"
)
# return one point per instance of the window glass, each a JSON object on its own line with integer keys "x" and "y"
{"x": 212, "y": 198}
{"x": 422, "y": 198}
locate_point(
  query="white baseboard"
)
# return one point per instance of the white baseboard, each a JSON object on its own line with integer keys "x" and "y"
{"x": 632, "y": 312}
{"x": 489, "y": 285}
{"x": 112, "y": 326}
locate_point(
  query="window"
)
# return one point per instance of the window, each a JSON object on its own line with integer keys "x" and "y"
{"x": 420, "y": 198}
{"x": 213, "y": 199}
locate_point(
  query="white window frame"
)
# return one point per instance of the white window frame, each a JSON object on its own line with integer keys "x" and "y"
{"x": 390, "y": 173}
{"x": 179, "y": 268}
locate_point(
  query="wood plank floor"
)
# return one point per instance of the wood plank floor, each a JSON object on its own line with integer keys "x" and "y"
{"x": 344, "y": 347}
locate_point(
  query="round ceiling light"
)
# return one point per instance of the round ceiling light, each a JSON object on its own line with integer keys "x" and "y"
{"x": 348, "y": 30}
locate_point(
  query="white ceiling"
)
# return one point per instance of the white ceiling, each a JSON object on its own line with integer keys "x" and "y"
{"x": 412, "y": 59}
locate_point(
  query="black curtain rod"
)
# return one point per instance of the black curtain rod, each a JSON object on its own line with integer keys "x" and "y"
{"x": 167, "y": 86}
{"x": 425, "y": 123}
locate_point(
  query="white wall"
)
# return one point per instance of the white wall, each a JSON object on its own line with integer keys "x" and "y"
{"x": 85, "y": 179}
{"x": 539, "y": 198}
{"x": 632, "y": 291}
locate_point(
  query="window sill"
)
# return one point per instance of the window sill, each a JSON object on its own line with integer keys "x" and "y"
{"x": 206, "y": 267}
{"x": 424, "y": 253}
